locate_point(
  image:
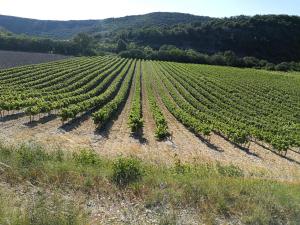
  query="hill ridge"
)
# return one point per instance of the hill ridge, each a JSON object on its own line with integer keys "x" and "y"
{"x": 64, "y": 29}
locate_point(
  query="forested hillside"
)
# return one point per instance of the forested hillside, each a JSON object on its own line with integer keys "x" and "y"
{"x": 272, "y": 37}
{"x": 67, "y": 29}
{"x": 243, "y": 41}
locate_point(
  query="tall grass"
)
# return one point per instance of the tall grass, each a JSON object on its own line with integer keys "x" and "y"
{"x": 214, "y": 191}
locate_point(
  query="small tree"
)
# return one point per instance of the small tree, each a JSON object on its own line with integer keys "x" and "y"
{"x": 270, "y": 66}
{"x": 231, "y": 59}
{"x": 284, "y": 66}
{"x": 251, "y": 62}
{"x": 121, "y": 46}
{"x": 84, "y": 43}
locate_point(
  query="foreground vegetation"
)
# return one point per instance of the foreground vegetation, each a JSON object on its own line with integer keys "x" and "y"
{"x": 213, "y": 191}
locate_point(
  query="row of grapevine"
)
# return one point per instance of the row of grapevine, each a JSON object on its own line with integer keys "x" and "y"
{"x": 87, "y": 103}
{"x": 78, "y": 79}
{"x": 108, "y": 110}
{"x": 55, "y": 101}
{"x": 242, "y": 105}
{"x": 19, "y": 72}
{"x": 216, "y": 110}
{"x": 279, "y": 131}
{"x": 179, "y": 108}
{"x": 135, "y": 120}
{"x": 162, "y": 130}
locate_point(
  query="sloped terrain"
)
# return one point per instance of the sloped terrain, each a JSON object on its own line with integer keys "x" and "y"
{"x": 87, "y": 103}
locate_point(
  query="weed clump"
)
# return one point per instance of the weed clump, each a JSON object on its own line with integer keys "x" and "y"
{"x": 31, "y": 155}
{"x": 126, "y": 171}
{"x": 42, "y": 209}
{"x": 86, "y": 157}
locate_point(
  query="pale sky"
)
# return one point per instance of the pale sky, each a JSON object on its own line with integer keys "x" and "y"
{"x": 99, "y": 9}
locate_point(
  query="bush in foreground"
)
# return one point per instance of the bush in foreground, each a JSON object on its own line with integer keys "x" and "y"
{"x": 126, "y": 171}
{"x": 86, "y": 157}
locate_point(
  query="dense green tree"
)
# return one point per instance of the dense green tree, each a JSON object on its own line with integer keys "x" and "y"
{"x": 275, "y": 38}
{"x": 133, "y": 53}
{"x": 84, "y": 43}
{"x": 270, "y": 66}
{"x": 284, "y": 66}
{"x": 121, "y": 46}
{"x": 231, "y": 59}
{"x": 252, "y": 62}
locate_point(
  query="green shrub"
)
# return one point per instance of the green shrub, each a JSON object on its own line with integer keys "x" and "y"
{"x": 86, "y": 157}
{"x": 31, "y": 155}
{"x": 284, "y": 66}
{"x": 270, "y": 66}
{"x": 126, "y": 171}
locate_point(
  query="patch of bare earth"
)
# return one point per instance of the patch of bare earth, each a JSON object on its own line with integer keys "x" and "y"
{"x": 14, "y": 58}
{"x": 101, "y": 208}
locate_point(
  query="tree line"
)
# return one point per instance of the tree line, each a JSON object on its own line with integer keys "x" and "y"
{"x": 81, "y": 44}
{"x": 274, "y": 38}
{"x": 227, "y": 58}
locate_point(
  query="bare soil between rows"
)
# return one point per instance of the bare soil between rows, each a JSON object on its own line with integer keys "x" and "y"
{"x": 116, "y": 140}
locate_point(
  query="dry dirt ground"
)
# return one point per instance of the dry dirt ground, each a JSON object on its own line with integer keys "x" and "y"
{"x": 13, "y": 58}
{"x": 108, "y": 209}
{"x": 115, "y": 140}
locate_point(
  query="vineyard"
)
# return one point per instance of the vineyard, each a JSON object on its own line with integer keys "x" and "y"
{"x": 243, "y": 106}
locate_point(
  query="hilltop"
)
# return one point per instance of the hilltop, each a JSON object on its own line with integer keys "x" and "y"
{"x": 67, "y": 29}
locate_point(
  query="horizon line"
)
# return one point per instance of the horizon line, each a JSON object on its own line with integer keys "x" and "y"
{"x": 107, "y": 18}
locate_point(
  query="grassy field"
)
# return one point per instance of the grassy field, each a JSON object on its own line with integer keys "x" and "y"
{"x": 42, "y": 187}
